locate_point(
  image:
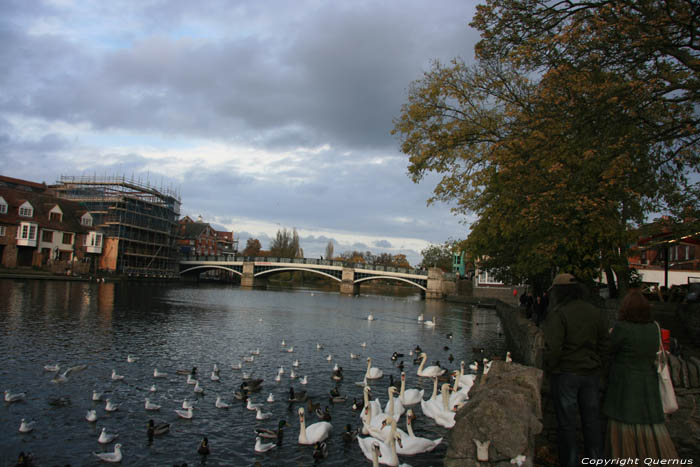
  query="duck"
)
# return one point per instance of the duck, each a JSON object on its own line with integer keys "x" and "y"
{"x": 159, "y": 374}
{"x": 396, "y": 355}
{"x": 337, "y": 374}
{"x": 349, "y": 435}
{"x": 315, "y": 432}
{"x": 451, "y": 358}
{"x": 387, "y": 450}
{"x": 298, "y": 396}
{"x": 110, "y": 406}
{"x": 260, "y": 415}
{"x": 372, "y": 372}
{"x": 412, "y": 444}
{"x": 116, "y": 377}
{"x": 25, "y": 426}
{"x": 357, "y": 405}
{"x": 156, "y": 430}
{"x": 277, "y": 434}
{"x": 192, "y": 372}
{"x": 323, "y": 415}
{"x": 400, "y": 365}
{"x": 91, "y": 416}
{"x": 263, "y": 447}
{"x": 186, "y": 414}
{"x": 106, "y": 438}
{"x": 252, "y": 385}
{"x": 430, "y": 371}
{"x": 409, "y": 396}
{"x": 311, "y": 406}
{"x": 203, "y": 448}
{"x": 320, "y": 451}
{"x": 113, "y": 457}
{"x": 151, "y": 406}
{"x": 14, "y": 397}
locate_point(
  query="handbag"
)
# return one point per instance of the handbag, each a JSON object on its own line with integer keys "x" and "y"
{"x": 668, "y": 395}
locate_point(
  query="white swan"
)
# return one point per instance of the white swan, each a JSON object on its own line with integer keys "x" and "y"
{"x": 116, "y": 377}
{"x": 159, "y": 374}
{"x": 373, "y": 372}
{"x": 315, "y": 432}
{"x": 151, "y": 406}
{"x": 394, "y": 408}
{"x": 26, "y": 427}
{"x": 91, "y": 416}
{"x": 372, "y": 416}
{"x": 113, "y": 457}
{"x": 387, "y": 449}
{"x": 432, "y": 323}
{"x": 221, "y": 404}
{"x": 186, "y": 414}
{"x": 409, "y": 396}
{"x": 263, "y": 447}
{"x": 420, "y": 318}
{"x": 430, "y": 371}
{"x": 413, "y": 444}
{"x": 442, "y": 415}
{"x": 106, "y": 438}
{"x": 509, "y": 359}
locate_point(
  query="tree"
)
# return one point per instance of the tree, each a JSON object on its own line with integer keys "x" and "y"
{"x": 329, "y": 250}
{"x": 252, "y": 247}
{"x": 285, "y": 244}
{"x": 438, "y": 256}
{"x": 574, "y": 124}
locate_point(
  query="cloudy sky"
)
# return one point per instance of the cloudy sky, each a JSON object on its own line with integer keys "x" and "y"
{"x": 261, "y": 114}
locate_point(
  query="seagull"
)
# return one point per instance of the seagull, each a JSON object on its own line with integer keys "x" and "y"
{"x": 116, "y": 377}
{"x": 91, "y": 416}
{"x": 151, "y": 406}
{"x": 236, "y": 366}
{"x": 370, "y": 317}
{"x": 303, "y": 380}
{"x": 329, "y": 357}
{"x": 153, "y": 388}
{"x": 54, "y": 367}
{"x": 26, "y": 427}
{"x": 364, "y": 344}
{"x": 159, "y": 374}
{"x": 187, "y": 404}
{"x": 283, "y": 343}
{"x": 354, "y": 356}
{"x": 263, "y": 447}
{"x": 251, "y": 406}
{"x": 220, "y": 404}
{"x": 96, "y": 396}
{"x": 271, "y": 398}
{"x": 260, "y": 415}
{"x": 291, "y": 349}
{"x": 278, "y": 377}
{"x": 109, "y": 406}
{"x": 255, "y": 352}
{"x": 131, "y": 359}
{"x": 215, "y": 376}
{"x": 296, "y": 363}
{"x": 106, "y": 438}
{"x": 191, "y": 379}
{"x": 198, "y": 389}
{"x": 16, "y": 397}
{"x": 184, "y": 413}
{"x": 115, "y": 456}
{"x": 249, "y": 359}
{"x": 319, "y": 346}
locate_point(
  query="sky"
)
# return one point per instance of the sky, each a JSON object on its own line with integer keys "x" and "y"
{"x": 261, "y": 114}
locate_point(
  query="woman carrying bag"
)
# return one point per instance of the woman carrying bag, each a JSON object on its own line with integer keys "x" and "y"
{"x": 636, "y": 427}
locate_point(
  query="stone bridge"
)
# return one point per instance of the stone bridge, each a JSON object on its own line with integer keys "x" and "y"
{"x": 254, "y": 271}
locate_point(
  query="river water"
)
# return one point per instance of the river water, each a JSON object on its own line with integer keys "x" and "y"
{"x": 179, "y": 326}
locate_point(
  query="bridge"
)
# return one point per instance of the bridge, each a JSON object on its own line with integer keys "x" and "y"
{"x": 254, "y": 271}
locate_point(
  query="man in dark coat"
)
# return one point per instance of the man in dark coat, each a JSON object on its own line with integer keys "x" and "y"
{"x": 576, "y": 339}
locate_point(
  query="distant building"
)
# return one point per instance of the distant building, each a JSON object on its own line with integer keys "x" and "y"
{"x": 40, "y": 230}
{"x": 139, "y": 223}
{"x": 197, "y": 238}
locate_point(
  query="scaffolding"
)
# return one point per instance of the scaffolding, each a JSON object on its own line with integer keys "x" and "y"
{"x": 140, "y": 218}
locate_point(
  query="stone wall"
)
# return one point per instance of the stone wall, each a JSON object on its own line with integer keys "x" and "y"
{"x": 505, "y": 410}
{"x": 524, "y": 340}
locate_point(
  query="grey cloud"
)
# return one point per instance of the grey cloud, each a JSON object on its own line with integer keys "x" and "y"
{"x": 382, "y": 244}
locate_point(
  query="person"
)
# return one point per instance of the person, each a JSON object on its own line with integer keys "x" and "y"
{"x": 632, "y": 401}
{"x": 576, "y": 337}
{"x": 540, "y": 309}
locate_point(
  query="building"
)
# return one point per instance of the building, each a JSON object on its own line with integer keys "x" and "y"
{"x": 227, "y": 244}
{"x": 197, "y": 238}
{"x": 40, "y": 230}
{"x": 139, "y": 223}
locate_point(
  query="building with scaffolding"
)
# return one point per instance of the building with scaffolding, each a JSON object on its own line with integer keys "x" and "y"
{"x": 139, "y": 223}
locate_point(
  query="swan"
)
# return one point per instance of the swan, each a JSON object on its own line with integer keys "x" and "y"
{"x": 413, "y": 444}
{"x": 509, "y": 359}
{"x": 432, "y": 323}
{"x": 394, "y": 408}
{"x": 109, "y": 406}
{"x": 91, "y": 416}
{"x": 430, "y": 371}
{"x": 409, "y": 396}
{"x": 26, "y": 427}
{"x": 187, "y": 414}
{"x": 372, "y": 372}
{"x": 442, "y": 415}
{"x": 221, "y": 404}
{"x": 303, "y": 380}
{"x": 96, "y": 396}
{"x": 270, "y": 398}
{"x": 315, "y": 432}
{"x": 387, "y": 449}
{"x": 260, "y": 415}
{"x": 106, "y": 438}
{"x": 157, "y": 430}
{"x": 159, "y": 374}
{"x": 116, "y": 377}
{"x": 263, "y": 447}
{"x": 372, "y": 416}
{"x": 420, "y": 317}
{"x": 115, "y": 456}
{"x": 465, "y": 382}
{"x": 151, "y": 406}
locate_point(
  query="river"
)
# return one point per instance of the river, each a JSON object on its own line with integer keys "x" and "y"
{"x": 179, "y": 326}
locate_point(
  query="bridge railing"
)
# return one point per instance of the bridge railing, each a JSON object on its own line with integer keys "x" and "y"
{"x": 320, "y": 262}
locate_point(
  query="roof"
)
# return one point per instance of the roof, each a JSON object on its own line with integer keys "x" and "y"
{"x": 42, "y": 204}
{"x": 17, "y": 183}
{"x": 193, "y": 229}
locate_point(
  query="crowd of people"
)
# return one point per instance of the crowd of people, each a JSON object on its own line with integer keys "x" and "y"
{"x": 601, "y": 373}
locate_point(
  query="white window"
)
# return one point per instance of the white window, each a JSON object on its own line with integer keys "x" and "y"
{"x": 26, "y": 210}
{"x": 2, "y": 230}
{"x": 93, "y": 239}
{"x": 27, "y": 231}
{"x": 86, "y": 219}
{"x": 3, "y": 205}
{"x": 55, "y": 214}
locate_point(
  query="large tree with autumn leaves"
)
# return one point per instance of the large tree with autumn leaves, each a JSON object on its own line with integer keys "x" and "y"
{"x": 576, "y": 121}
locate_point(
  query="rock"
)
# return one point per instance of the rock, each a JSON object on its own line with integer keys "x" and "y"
{"x": 693, "y": 377}
{"x": 675, "y": 370}
{"x": 694, "y": 361}
{"x": 503, "y": 408}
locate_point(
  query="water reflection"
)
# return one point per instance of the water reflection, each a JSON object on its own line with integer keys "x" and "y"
{"x": 179, "y": 327}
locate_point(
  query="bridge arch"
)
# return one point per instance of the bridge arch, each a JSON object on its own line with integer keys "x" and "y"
{"x": 400, "y": 279}
{"x": 315, "y": 271}
{"x": 209, "y": 268}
